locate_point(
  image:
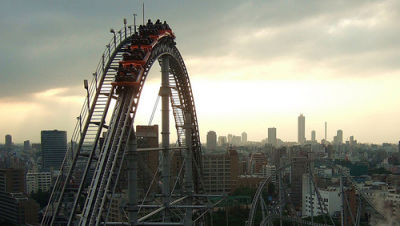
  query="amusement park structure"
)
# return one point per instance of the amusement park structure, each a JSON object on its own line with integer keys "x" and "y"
{"x": 104, "y": 144}
{"x": 104, "y": 137}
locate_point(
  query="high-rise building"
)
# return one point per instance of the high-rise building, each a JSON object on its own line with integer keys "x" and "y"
{"x": 27, "y": 145}
{"x": 256, "y": 162}
{"x": 301, "y": 133}
{"x": 329, "y": 195}
{"x": 8, "y": 141}
{"x": 244, "y": 137}
{"x": 269, "y": 171}
{"x": 236, "y": 140}
{"x": 212, "y": 140}
{"x": 313, "y": 136}
{"x": 326, "y": 131}
{"x": 54, "y": 147}
{"x": 38, "y": 181}
{"x": 220, "y": 172}
{"x": 147, "y": 137}
{"x": 222, "y": 141}
{"x": 272, "y": 136}
{"x": 230, "y": 137}
{"x": 15, "y": 207}
{"x": 339, "y": 136}
{"x": 12, "y": 180}
{"x": 298, "y": 168}
{"x": 399, "y": 146}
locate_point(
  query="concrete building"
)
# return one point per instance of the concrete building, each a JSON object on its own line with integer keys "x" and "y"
{"x": 272, "y": 136}
{"x": 8, "y": 141}
{"x": 301, "y": 129}
{"x": 211, "y": 140}
{"x": 298, "y": 168}
{"x": 27, "y": 145}
{"x": 236, "y": 140}
{"x": 269, "y": 171}
{"x": 15, "y": 206}
{"x": 244, "y": 138}
{"x": 220, "y": 172}
{"x": 222, "y": 141}
{"x": 339, "y": 137}
{"x": 313, "y": 136}
{"x": 40, "y": 181}
{"x": 256, "y": 162}
{"x": 54, "y": 147}
{"x": 12, "y": 180}
{"x": 330, "y": 198}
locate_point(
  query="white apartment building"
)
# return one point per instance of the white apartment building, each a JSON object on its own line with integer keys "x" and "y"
{"x": 330, "y": 199}
{"x": 38, "y": 181}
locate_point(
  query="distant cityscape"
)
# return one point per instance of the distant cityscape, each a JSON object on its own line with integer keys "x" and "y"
{"x": 230, "y": 163}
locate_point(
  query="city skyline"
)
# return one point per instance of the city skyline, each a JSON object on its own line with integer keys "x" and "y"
{"x": 347, "y": 76}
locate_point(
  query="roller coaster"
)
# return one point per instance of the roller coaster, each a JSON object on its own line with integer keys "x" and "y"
{"x": 90, "y": 172}
{"x": 104, "y": 141}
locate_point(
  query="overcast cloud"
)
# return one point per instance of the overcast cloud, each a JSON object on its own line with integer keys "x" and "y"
{"x": 54, "y": 45}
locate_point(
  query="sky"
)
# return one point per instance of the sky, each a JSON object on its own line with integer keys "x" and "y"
{"x": 252, "y": 64}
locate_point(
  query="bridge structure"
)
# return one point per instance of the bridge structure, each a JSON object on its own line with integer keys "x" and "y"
{"x": 104, "y": 142}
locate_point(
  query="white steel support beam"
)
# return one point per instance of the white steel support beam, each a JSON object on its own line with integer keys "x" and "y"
{"x": 188, "y": 170}
{"x": 165, "y": 95}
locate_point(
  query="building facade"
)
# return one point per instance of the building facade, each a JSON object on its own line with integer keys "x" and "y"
{"x": 272, "y": 136}
{"x": 40, "y": 181}
{"x": 54, "y": 147}
{"x": 301, "y": 132}
{"x": 211, "y": 140}
{"x": 220, "y": 172}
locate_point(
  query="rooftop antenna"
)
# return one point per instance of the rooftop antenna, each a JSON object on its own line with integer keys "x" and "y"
{"x": 143, "y": 13}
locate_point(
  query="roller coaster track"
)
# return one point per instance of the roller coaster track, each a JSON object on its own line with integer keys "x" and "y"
{"x": 267, "y": 218}
{"x": 91, "y": 167}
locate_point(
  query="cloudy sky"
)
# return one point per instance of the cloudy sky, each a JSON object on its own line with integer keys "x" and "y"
{"x": 253, "y": 64}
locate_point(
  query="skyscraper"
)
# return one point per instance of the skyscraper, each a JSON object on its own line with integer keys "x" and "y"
{"x": 301, "y": 133}
{"x": 339, "y": 136}
{"x": 211, "y": 140}
{"x": 54, "y": 147}
{"x": 272, "y": 136}
{"x": 8, "y": 140}
{"x": 244, "y": 137}
{"x": 313, "y": 136}
{"x": 222, "y": 141}
{"x": 27, "y": 145}
{"x": 326, "y": 130}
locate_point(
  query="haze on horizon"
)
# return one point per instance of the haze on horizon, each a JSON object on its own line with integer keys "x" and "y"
{"x": 253, "y": 64}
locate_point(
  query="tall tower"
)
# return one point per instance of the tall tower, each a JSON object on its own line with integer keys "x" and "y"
{"x": 272, "y": 136}
{"x": 211, "y": 140}
{"x": 301, "y": 133}
{"x": 313, "y": 136}
{"x": 339, "y": 136}
{"x": 326, "y": 130}
{"x": 54, "y": 147}
{"x": 244, "y": 138}
{"x": 8, "y": 140}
